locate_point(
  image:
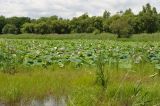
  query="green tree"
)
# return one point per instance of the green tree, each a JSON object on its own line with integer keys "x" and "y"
{"x": 132, "y": 20}
{"x": 137, "y": 25}
{"x": 9, "y": 29}
{"x": 80, "y": 24}
{"x": 27, "y": 28}
{"x": 106, "y": 14}
{"x": 43, "y": 28}
{"x": 108, "y": 22}
{"x": 159, "y": 22}
{"x": 47, "y": 19}
{"x": 96, "y": 23}
{"x": 60, "y": 26}
{"x": 18, "y": 22}
{"x": 121, "y": 27}
{"x": 2, "y": 23}
{"x": 149, "y": 19}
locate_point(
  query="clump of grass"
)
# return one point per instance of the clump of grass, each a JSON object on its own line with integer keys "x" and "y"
{"x": 140, "y": 97}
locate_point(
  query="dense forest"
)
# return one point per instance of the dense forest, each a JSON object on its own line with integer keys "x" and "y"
{"x": 123, "y": 23}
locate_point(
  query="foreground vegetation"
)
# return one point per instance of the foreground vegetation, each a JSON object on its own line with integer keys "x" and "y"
{"x": 79, "y": 87}
{"x": 85, "y": 72}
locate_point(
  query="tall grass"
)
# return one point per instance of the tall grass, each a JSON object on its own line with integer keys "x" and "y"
{"x": 79, "y": 88}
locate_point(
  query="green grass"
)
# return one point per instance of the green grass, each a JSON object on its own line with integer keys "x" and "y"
{"x": 103, "y": 36}
{"x": 59, "y": 36}
{"x": 80, "y": 87}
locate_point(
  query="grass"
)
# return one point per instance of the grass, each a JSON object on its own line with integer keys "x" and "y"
{"x": 59, "y": 36}
{"x": 102, "y": 36}
{"x": 79, "y": 86}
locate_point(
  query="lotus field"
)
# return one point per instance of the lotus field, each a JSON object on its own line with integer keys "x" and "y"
{"x": 78, "y": 52}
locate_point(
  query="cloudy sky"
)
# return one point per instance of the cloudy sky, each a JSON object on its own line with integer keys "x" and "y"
{"x": 69, "y": 8}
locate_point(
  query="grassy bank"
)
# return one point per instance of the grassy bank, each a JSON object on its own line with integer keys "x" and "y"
{"x": 103, "y": 36}
{"x": 79, "y": 86}
{"x": 59, "y": 36}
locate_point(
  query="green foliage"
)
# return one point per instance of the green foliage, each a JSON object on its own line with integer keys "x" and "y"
{"x": 18, "y": 22}
{"x": 78, "y": 87}
{"x": 28, "y": 28}
{"x": 121, "y": 27}
{"x": 2, "y": 23}
{"x": 79, "y": 53}
{"x": 159, "y": 22}
{"x": 102, "y": 75}
{"x": 9, "y": 29}
{"x": 106, "y": 14}
{"x": 47, "y": 27}
{"x": 149, "y": 19}
{"x": 60, "y": 27}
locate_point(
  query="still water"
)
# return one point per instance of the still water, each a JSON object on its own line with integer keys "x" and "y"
{"x": 49, "y": 101}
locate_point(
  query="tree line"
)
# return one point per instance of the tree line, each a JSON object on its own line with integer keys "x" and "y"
{"x": 123, "y": 23}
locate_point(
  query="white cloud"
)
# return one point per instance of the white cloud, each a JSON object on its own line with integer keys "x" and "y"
{"x": 68, "y": 8}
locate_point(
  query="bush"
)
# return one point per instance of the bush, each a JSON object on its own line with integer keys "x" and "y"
{"x": 96, "y": 32}
{"x": 9, "y": 29}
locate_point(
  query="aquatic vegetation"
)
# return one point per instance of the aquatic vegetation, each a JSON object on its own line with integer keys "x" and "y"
{"x": 78, "y": 52}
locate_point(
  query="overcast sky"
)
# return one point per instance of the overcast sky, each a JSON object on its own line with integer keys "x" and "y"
{"x": 69, "y": 8}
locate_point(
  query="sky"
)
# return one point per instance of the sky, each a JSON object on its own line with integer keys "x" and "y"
{"x": 69, "y": 8}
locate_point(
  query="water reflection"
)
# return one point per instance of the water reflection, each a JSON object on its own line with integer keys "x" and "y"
{"x": 49, "y": 101}
{"x": 1, "y": 104}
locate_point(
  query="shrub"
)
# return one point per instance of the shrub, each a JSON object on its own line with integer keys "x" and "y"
{"x": 9, "y": 29}
{"x": 96, "y": 32}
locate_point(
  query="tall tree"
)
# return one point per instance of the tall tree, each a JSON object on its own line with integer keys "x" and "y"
{"x": 128, "y": 12}
{"x": 18, "y": 22}
{"x": 2, "y": 23}
{"x": 121, "y": 27}
{"x": 159, "y": 22}
{"x": 106, "y": 14}
{"x": 149, "y": 19}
